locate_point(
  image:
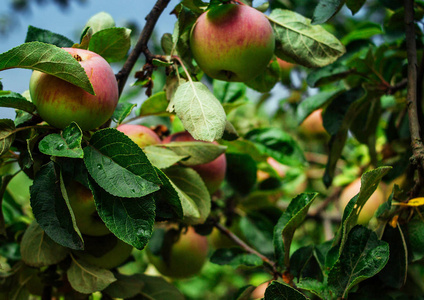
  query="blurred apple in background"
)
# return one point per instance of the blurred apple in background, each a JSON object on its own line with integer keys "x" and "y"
{"x": 313, "y": 124}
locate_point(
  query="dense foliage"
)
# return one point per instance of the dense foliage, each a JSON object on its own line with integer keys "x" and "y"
{"x": 262, "y": 186}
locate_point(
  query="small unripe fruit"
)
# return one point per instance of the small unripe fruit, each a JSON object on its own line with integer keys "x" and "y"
{"x": 185, "y": 257}
{"x": 370, "y": 207}
{"x": 139, "y": 134}
{"x": 232, "y": 42}
{"x": 59, "y": 102}
{"x": 212, "y": 173}
{"x": 82, "y": 203}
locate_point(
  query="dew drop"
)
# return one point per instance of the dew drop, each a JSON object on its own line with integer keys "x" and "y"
{"x": 99, "y": 166}
{"x": 60, "y": 147}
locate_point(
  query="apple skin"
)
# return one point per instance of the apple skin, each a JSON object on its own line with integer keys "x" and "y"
{"x": 139, "y": 134}
{"x": 370, "y": 207}
{"x": 113, "y": 258}
{"x": 187, "y": 256}
{"x": 284, "y": 65}
{"x": 232, "y": 42}
{"x": 59, "y": 102}
{"x": 212, "y": 173}
{"x": 313, "y": 124}
{"x": 259, "y": 292}
{"x": 82, "y": 202}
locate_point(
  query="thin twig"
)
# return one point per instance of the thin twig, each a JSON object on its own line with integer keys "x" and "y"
{"x": 141, "y": 45}
{"x": 417, "y": 158}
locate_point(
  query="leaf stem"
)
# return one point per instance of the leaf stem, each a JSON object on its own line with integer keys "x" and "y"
{"x": 141, "y": 45}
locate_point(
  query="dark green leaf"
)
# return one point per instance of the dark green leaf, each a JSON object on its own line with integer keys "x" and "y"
{"x": 245, "y": 292}
{"x": 50, "y": 209}
{"x": 122, "y": 111}
{"x": 265, "y": 81}
{"x": 289, "y": 221}
{"x": 241, "y": 172}
{"x": 299, "y": 41}
{"x": 416, "y": 238}
{"x": 155, "y": 105}
{"x": 48, "y": 59}
{"x": 35, "y": 34}
{"x": 157, "y": 288}
{"x": 355, "y": 5}
{"x": 258, "y": 230}
{"x": 364, "y": 32}
{"x": 282, "y": 291}
{"x": 228, "y": 92}
{"x": 111, "y": 43}
{"x": 235, "y": 257}
{"x": 327, "y": 74}
{"x": 130, "y": 219}
{"x": 168, "y": 204}
{"x": 325, "y": 10}
{"x": 315, "y": 287}
{"x": 125, "y": 286}
{"x": 277, "y": 144}
{"x": 7, "y": 135}
{"x": 65, "y": 144}
{"x": 362, "y": 257}
{"x": 119, "y": 166}
{"x": 17, "y": 101}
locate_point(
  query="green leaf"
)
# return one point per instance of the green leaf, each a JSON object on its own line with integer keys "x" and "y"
{"x": 369, "y": 183}
{"x": 235, "y": 257}
{"x": 258, "y": 230}
{"x": 305, "y": 44}
{"x": 395, "y": 273}
{"x": 314, "y": 102}
{"x": 100, "y": 21}
{"x": 245, "y": 292}
{"x": 155, "y": 105}
{"x": 315, "y": 287}
{"x": 38, "y": 250}
{"x": 362, "y": 257}
{"x": 157, "y": 288}
{"x": 241, "y": 172}
{"x": 278, "y": 144}
{"x": 193, "y": 194}
{"x": 17, "y": 101}
{"x": 162, "y": 158}
{"x": 122, "y": 111}
{"x": 87, "y": 279}
{"x": 289, "y": 221}
{"x": 119, "y": 166}
{"x": 327, "y": 74}
{"x": 111, "y": 43}
{"x": 7, "y": 135}
{"x": 364, "y": 32}
{"x": 196, "y": 152}
{"x": 48, "y": 59}
{"x": 355, "y": 5}
{"x": 130, "y": 219}
{"x": 229, "y": 92}
{"x": 65, "y": 144}
{"x": 282, "y": 291}
{"x": 50, "y": 209}
{"x": 200, "y": 112}
{"x": 416, "y": 238}
{"x": 265, "y": 81}
{"x": 35, "y": 34}
{"x": 168, "y": 204}
{"x": 125, "y": 286}
{"x": 325, "y": 10}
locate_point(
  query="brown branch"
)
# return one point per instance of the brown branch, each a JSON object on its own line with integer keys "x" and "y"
{"x": 141, "y": 45}
{"x": 417, "y": 158}
{"x": 247, "y": 248}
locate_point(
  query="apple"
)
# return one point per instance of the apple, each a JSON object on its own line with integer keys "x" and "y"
{"x": 259, "y": 292}
{"x": 284, "y": 65}
{"x": 82, "y": 203}
{"x": 106, "y": 252}
{"x": 185, "y": 257}
{"x": 139, "y": 134}
{"x": 59, "y": 102}
{"x": 212, "y": 173}
{"x": 370, "y": 207}
{"x": 313, "y": 124}
{"x": 232, "y": 42}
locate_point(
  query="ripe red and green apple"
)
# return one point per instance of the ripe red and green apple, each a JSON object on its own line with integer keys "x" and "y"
{"x": 232, "y": 42}
{"x": 139, "y": 134}
{"x": 212, "y": 173}
{"x": 186, "y": 257}
{"x": 59, "y": 102}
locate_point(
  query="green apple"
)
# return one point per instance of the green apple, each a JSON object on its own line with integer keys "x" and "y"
{"x": 180, "y": 256}
{"x": 370, "y": 207}
{"x": 139, "y": 134}
{"x": 212, "y": 173}
{"x": 106, "y": 252}
{"x": 232, "y": 42}
{"x": 82, "y": 203}
{"x": 59, "y": 102}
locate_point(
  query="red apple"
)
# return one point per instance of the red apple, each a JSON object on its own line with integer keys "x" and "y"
{"x": 59, "y": 102}
{"x": 232, "y": 42}
{"x": 313, "y": 124}
{"x": 82, "y": 203}
{"x": 212, "y": 173}
{"x": 370, "y": 207}
{"x": 185, "y": 258}
{"x": 139, "y": 134}
{"x": 284, "y": 65}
